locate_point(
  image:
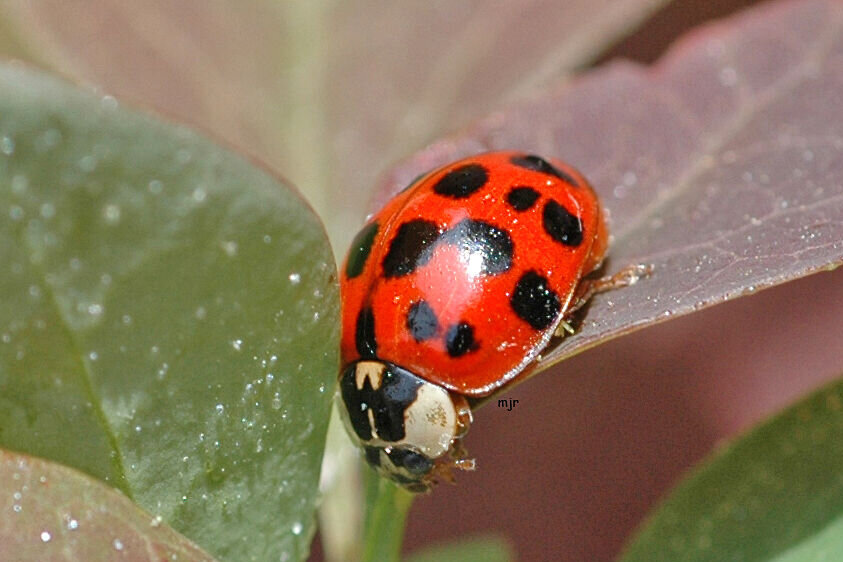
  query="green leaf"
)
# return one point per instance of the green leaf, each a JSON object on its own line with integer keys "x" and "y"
{"x": 55, "y": 513}
{"x": 169, "y": 321}
{"x": 775, "y": 494}
{"x": 478, "y": 549}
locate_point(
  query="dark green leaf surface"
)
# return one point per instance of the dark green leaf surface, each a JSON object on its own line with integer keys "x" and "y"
{"x": 169, "y": 318}
{"x": 776, "y": 494}
{"x": 51, "y": 512}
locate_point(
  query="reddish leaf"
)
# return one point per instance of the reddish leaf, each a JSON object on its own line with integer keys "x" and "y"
{"x": 51, "y": 512}
{"x": 401, "y": 77}
{"x": 719, "y": 166}
{"x": 328, "y": 93}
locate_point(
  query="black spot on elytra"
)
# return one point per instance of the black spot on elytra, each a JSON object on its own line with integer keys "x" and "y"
{"x": 539, "y": 164}
{"x": 411, "y": 247}
{"x": 561, "y": 225}
{"x": 414, "y": 182}
{"x": 398, "y": 390}
{"x": 492, "y": 245}
{"x": 462, "y": 182}
{"x": 360, "y": 249}
{"x": 416, "y": 240}
{"x": 364, "y": 333}
{"x": 534, "y": 301}
{"x": 413, "y": 462}
{"x": 422, "y": 321}
{"x": 522, "y": 198}
{"x": 459, "y": 339}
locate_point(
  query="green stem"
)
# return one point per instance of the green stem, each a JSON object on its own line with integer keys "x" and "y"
{"x": 385, "y": 523}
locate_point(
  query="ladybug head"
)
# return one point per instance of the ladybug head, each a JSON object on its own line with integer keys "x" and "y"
{"x": 406, "y": 426}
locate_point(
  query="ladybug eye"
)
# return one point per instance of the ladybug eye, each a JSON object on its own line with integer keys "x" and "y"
{"x": 411, "y": 461}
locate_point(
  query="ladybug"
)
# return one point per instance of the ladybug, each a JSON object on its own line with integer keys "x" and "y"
{"x": 450, "y": 292}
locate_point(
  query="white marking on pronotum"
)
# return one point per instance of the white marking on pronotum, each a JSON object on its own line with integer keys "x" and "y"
{"x": 430, "y": 421}
{"x": 369, "y": 370}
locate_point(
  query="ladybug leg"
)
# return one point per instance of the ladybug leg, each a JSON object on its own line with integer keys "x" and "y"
{"x": 444, "y": 469}
{"x": 459, "y": 456}
{"x": 623, "y": 278}
{"x": 590, "y": 287}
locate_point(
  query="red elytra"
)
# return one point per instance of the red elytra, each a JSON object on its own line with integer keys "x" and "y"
{"x": 463, "y": 277}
